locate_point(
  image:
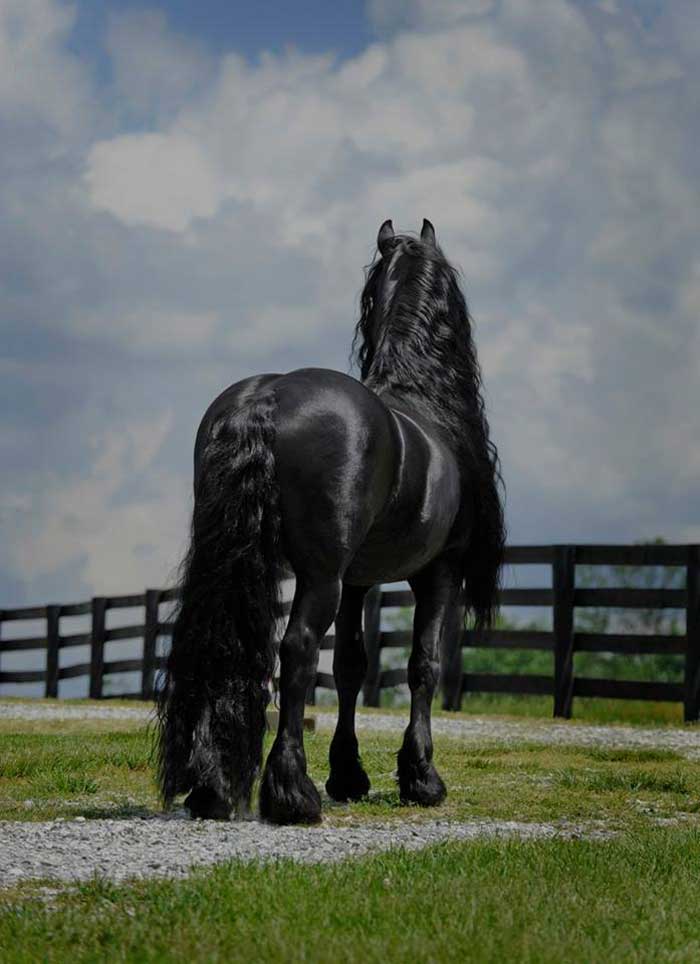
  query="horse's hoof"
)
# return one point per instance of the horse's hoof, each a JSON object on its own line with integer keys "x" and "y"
{"x": 420, "y": 783}
{"x": 204, "y": 803}
{"x": 287, "y": 794}
{"x": 350, "y": 783}
{"x": 290, "y": 804}
{"x": 426, "y": 793}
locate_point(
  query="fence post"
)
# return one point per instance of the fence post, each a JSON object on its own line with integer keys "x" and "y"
{"x": 452, "y": 673}
{"x": 691, "y": 702}
{"x": 97, "y": 646}
{"x": 150, "y": 636}
{"x": 373, "y": 643}
{"x": 53, "y": 615}
{"x": 563, "y": 584}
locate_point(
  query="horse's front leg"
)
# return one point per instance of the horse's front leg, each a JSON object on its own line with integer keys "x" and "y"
{"x": 347, "y": 779}
{"x": 437, "y": 613}
{"x": 287, "y": 794}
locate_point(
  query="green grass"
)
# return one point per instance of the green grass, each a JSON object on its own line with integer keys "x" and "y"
{"x": 537, "y": 708}
{"x": 628, "y": 899}
{"x": 54, "y": 769}
{"x": 585, "y": 710}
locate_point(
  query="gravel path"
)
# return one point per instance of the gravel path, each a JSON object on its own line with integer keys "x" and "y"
{"x": 485, "y": 729}
{"x": 171, "y": 845}
{"x": 65, "y": 711}
{"x": 476, "y": 729}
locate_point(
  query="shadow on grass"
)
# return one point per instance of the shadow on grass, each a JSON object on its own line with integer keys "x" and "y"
{"x": 375, "y": 798}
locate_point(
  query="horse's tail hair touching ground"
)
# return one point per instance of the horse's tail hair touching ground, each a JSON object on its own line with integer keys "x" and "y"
{"x": 212, "y": 704}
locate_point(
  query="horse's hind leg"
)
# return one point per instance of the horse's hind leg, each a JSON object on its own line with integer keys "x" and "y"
{"x": 287, "y": 794}
{"x": 348, "y": 780}
{"x": 437, "y": 613}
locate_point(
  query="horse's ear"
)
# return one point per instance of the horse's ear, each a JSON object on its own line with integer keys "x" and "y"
{"x": 427, "y": 233}
{"x": 386, "y": 234}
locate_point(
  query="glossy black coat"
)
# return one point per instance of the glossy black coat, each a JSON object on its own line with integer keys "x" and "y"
{"x": 345, "y": 484}
{"x": 370, "y": 491}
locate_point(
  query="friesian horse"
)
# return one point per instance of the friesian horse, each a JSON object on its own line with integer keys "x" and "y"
{"x": 347, "y": 484}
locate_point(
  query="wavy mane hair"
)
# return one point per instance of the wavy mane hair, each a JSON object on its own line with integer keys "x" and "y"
{"x": 414, "y": 342}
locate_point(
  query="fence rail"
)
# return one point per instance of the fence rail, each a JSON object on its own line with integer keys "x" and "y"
{"x": 563, "y": 641}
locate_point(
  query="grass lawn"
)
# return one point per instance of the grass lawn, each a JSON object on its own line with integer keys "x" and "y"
{"x": 102, "y": 768}
{"x": 585, "y": 710}
{"x": 629, "y": 898}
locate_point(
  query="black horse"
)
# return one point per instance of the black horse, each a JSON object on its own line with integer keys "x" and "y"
{"x": 347, "y": 484}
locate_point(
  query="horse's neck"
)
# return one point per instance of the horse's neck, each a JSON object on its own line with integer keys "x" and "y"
{"x": 412, "y": 409}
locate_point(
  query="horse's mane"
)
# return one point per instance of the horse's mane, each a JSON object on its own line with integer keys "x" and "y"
{"x": 414, "y": 343}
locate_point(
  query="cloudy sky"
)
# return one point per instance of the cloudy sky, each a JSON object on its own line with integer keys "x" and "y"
{"x": 189, "y": 192}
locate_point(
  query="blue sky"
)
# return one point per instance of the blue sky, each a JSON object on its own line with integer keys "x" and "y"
{"x": 248, "y": 28}
{"x": 188, "y": 194}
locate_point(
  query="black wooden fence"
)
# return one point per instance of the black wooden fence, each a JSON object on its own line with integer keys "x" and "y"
{"x": 562, "y": 598}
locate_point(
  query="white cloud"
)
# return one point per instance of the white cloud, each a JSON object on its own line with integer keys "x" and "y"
{"x": 151, "y": 329}
{"x": 689, "y": 296}
{"x": 530, "y": 365}
{"x": 396, "y": 107}
{"x": 117, "y": 545}
{"x": 637, "y": 68}
{"x": 39, "y": 79}
{"x": 164, "y": 181}
{"x": 154, "y": 70}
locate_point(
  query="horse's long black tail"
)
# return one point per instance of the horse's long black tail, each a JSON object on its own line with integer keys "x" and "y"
{"x": 484, "y": 558}
{"x": 212, "y": 704}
